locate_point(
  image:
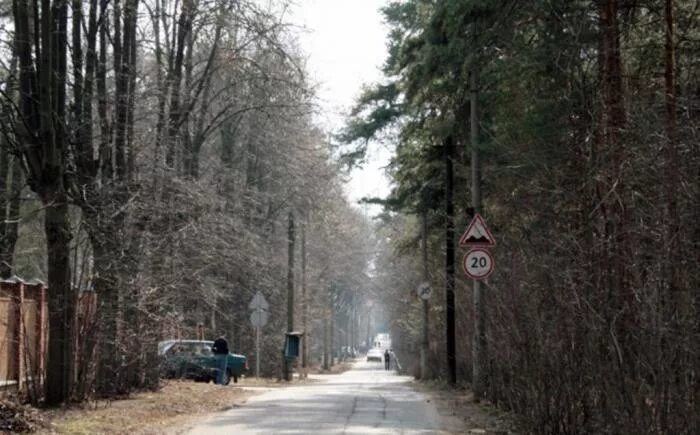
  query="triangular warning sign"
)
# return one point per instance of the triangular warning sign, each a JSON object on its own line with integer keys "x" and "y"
{"x": 477, "y": 234}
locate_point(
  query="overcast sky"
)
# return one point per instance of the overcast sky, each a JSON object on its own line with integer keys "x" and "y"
{"x": 345, "y": 41}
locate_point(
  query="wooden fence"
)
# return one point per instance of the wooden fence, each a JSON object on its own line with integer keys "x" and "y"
{"x": 24, "y": 329}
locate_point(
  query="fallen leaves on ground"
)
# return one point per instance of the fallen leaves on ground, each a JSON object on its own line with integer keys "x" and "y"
{"x": 170, "y": 410}
{"x": 16, "y": 418}
{"x": 457, "y": 404}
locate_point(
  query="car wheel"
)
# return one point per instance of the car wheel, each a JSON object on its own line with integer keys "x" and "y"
{"x": 235, "y": 379}
{"x": 227, "y": 377}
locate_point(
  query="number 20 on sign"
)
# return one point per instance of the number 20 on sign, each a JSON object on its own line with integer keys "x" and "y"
{"x": 478, "y": 264}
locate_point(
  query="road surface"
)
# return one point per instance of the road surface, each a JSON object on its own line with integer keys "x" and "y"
{"x": 365, "y": 400}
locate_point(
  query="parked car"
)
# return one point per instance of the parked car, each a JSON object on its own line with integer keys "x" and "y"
{"x": 194, "y": 359}
{"x": 375, "y": 354}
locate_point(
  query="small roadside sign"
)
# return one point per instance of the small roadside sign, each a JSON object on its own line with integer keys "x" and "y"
{"x": 477, "y": 234}
{"x": 259, "y": 318}
{"x": 424, "y": 291}
{"x": 478, "y": 264}
{"x": 259, "y": 302}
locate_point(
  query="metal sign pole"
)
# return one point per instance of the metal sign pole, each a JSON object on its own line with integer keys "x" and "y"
{"x": 257, "y": 352}
{"x": 479, "y": 337}
{"x": 258, "y": 317}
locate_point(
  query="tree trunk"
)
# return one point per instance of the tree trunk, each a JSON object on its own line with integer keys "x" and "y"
{"x": 619, "y": 309}
{"x": 11, "y": 183}
{"x": 42, "y": 133}
{"x": 670, "y": 175}
{"x": 184, "y": 27}
{"x": 61, "y": 301}
{"x": 106, "y": 286}
{"x": 615, "y": 120}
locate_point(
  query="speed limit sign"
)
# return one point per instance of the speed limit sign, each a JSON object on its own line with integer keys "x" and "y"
{"x": 478, "y": 263}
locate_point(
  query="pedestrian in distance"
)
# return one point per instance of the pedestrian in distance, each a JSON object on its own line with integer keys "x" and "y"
{"x": 394, "y": 362}
{"x": 387, "y": 360}
{"x": 220, "y": 349}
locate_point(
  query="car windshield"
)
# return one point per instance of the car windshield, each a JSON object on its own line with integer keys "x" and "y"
{"x": 190, "y": 348}
{"x": 204, "y": 349}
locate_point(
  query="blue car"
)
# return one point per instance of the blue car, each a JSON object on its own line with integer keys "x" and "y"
{"x": 194, "y": 359}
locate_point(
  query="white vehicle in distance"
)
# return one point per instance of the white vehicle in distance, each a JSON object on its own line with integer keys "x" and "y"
{"x": 382, "y": 341}
{"x": 375, "y": 354}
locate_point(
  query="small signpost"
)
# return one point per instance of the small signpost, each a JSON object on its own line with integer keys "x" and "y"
{"x": 478, "y": 263}
{"x": 259, "y": 302}
{"x": 258, "y": 317}
{"x": 424, "y": 291}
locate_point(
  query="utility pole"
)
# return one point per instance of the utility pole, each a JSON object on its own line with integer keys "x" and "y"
{"x": 304, "y": 303}
{"x": 347, "y": 329}
{"x": 479, "y": 339}
{"x": 352, "y": 323}
{"x": 368, "y": 343}
{"x": 325, "y": 341}
{"x": 290, "y": 290}
{"x": 450, "y": 261}
{"x": 331, "y": 323}
{"x": 426, "y": 279}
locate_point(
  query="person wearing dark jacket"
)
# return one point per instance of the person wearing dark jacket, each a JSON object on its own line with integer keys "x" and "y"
{"x": 387, "y": 360}
{"x": 220, "y": 349}
{"x": 220, "y": 346}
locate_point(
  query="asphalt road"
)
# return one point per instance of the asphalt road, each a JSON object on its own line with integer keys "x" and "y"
{"x": 365, "y": 400}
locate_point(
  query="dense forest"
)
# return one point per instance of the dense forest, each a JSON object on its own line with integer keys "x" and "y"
{"x": 573, "y": 128}
{"x": 162, "y": 156}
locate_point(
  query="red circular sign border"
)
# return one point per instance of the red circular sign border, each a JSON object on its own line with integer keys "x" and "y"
{"x": 464, "y": 264}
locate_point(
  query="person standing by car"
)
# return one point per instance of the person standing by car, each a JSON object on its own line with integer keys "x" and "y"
{"x": 387, "y": 360}
{"x": 220, "y": 349}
